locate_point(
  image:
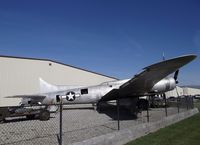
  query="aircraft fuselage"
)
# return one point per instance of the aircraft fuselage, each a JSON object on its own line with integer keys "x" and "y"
{"x": 93, "y": 94}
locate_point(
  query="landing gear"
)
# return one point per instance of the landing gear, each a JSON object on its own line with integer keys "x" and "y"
{"x": 99, "y": 107}
{"x": 131, "y": 104}
{"x": 94, "y": 105}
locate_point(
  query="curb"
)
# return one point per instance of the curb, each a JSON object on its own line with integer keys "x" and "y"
{"x": 124, "y": 136}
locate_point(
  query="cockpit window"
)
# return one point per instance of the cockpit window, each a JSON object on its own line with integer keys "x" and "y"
{"x": 84, "y": 91}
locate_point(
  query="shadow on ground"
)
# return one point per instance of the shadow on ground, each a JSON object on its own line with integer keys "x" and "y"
{"x": 111, "y": 111}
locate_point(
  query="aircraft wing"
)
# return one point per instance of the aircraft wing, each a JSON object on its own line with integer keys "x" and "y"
{"x": 27, "y": 96}
{"x": 142, "y": 83}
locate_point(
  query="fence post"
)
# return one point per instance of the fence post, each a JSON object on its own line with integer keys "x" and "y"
{"x": 148, "y": 109}
{"x": 192, "y": 102}
{"x": 165, "y": 104}
{"x": 178, "y": 104}
{"x": 177, "y": 99}
{"x": 118, "y": 122}
{"x": 61, "y": 108}
{"x": 186, "y": 99}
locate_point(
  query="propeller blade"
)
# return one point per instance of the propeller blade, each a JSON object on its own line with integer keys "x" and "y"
{"x": 176, "y": 75}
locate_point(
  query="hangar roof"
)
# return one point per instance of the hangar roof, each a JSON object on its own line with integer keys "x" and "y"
{"x": 44, "y": 59}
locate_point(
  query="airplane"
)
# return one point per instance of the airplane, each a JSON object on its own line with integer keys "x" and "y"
{"x": 152, "y": 80}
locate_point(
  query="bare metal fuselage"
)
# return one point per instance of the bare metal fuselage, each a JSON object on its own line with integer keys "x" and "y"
{"x": 93, "y": 94}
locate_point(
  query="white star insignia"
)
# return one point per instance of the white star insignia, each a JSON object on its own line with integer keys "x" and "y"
{"x": 71, "y": 96}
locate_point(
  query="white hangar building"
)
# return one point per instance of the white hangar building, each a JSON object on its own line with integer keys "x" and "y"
{"x": 19, "y": 75}
{"x": 183, "y": 91}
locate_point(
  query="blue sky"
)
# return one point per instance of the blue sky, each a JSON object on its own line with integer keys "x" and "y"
{"x": 116, "y": 38}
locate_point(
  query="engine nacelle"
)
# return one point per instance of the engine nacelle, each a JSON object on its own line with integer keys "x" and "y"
{"x": 164, "y": 85}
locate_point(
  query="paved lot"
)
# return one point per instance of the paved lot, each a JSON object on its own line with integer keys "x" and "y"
{"x": 79, "y": 123}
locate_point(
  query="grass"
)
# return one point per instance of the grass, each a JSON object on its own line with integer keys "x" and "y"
{"x": 186, "y": 132}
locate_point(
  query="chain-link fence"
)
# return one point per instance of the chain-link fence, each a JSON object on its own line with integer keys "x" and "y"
{"x": 28, "y": 125}
{"x": 75, "y": 123}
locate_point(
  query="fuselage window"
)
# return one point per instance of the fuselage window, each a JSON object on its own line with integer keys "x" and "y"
{"x": 84, "y": 91}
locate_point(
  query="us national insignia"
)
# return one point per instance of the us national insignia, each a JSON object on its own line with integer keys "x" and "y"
{"x": 70, "y": 96}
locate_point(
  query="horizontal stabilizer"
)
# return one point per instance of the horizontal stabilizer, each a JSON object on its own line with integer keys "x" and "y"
{"x": 27, "y": 96}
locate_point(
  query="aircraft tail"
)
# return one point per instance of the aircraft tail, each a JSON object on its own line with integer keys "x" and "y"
{"x": 46, "y": 87}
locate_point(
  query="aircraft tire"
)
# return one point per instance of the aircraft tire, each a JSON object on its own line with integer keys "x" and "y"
{"x": 98, "y": 107}
{"x": 44, "y": 115}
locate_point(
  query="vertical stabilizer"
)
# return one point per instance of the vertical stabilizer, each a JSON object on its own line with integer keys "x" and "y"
{"x": 46, "y": 87}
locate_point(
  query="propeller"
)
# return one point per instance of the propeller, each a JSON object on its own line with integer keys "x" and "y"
{"x": 178, "y": 95}
{"x": 176, "y": 76}
{"x": 176, "y": 72}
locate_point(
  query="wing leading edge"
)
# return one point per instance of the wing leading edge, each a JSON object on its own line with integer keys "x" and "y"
{"x": 143, "y": 82}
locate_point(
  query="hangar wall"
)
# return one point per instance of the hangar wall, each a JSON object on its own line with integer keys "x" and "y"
{"x": 173, "y": 93}
{"x": 21, "y": 76}
{"x": 183, "y": 91}
{"x": 191, "y": 91}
